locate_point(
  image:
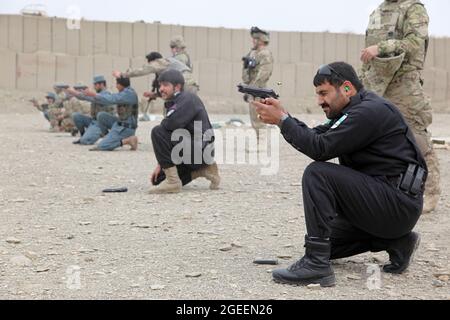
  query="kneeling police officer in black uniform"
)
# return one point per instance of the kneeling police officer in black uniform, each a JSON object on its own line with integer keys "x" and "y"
{"x": 374, "y": 198}
{"x": 187, "y": 125}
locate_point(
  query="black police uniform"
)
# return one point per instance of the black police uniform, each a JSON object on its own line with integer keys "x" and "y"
{"x": 184, "y": 111}
{"x": 359, "y": 201}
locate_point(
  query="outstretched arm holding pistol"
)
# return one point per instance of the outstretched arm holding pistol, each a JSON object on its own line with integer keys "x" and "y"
{"x": 269, "y": 109}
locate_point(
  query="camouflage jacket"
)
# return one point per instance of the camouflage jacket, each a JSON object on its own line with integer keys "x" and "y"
{"x": 261, "y": 73}
{"x": 160, "y": 65}
{"x": 184, "y": 57}
{"x": 400, "y": 27}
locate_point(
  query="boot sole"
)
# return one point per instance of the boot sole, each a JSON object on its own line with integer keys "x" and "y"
{"x": 325, "y": 282}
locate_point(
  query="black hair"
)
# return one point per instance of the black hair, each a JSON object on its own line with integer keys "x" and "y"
{"x": 152, "y": 56}
{"x": 124, "y": 82}
{"x": 341, "y": 72}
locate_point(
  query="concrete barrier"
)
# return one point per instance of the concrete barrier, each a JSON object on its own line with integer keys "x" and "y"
{"x": 284, "y": 47}
{"x": 152, "y": 38}
{"x": 208, "y": 77}
{"x": 44, "y": 34}
{"x": 46, "y": 70}
{"x": 319, "y": 49}
{"x": 211, "y": 49}
{"x": 225, "y": 82}
{"x": 190, "y": 37}
{"x": 440, "y": 53}
{"x": 354, "y": 50}
{"x": 66, "y": 69}
{"x": 87, "y": 38}
{"x": 15, "y": 33}
{"x": 4, "y": 26}
{"x": 139, "y": 39}
{"x": 296, "y": 51}
{"x": 73, "y": 42}
{"x": 307, "y": 39}
{"x": 213, "y": 43}
{"x": 126, "y": 39}
{"x": 341, "y": 53}
{"x": 304, "y": 75}
{"x": 100, "y": 42}
{"x": 59, "y": 35}
{"x": 238, "y": 41}
{"x": 288, "y": 81}
{"x": 225, "y": 44}
{"x": 164, "y": 36}
{"x": 329, "y": 48}
{"x": 113, "y": 38}
{"x": 27, "y": 71}
{"x": 30, "y": 34}
{"x": 447, "y": 55}
{"x": 202, "y": 43}
{"x": 440, "y": 85}
{"x": 85, "y": 70}
{"x": 8, "y": 64}
{"x": 103, "y": 65}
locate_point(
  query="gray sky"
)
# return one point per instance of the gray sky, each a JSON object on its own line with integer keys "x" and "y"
{"x": 279, "y": 15}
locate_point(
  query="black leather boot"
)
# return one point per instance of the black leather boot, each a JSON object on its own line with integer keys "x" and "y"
{"x": 401, "y": 253}
{"x": 313, "y": 268}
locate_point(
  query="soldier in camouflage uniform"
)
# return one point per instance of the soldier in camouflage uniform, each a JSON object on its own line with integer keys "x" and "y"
{"x": 257, "y": 70}
{"x": 156, "y": 65}
{"x": 398, "y": 30}
{"x": 44, "y": 108}
{"x": 178, "y": 48}
{"x": 60, "y": 113}
{"x": 90, "y": 128}
{"x": 55, "y": 110}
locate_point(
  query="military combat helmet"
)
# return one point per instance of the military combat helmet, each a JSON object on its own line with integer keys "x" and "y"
{"x": 177, "y": 42}
{"x": 259, "y": 34}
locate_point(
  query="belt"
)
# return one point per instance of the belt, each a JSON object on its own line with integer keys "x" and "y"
{"x": 412, "y": 182}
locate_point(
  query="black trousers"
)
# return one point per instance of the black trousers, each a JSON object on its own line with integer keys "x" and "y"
{"x": 163, "y": 146}
{"x": 357, "y": 212}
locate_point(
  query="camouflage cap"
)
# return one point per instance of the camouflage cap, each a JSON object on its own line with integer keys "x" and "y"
{"x": 259, "y": 34}
{"x": 380, "y": 72}
{"x": 177, "y": 42}
{"x": 51, "y": 95}
{"x": 98, "y": 79}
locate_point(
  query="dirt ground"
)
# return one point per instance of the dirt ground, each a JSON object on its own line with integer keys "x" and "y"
{"x": 61, "y": 238}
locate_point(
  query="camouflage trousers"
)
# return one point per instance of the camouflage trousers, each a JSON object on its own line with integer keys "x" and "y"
{"x": 60, "y": 121}
{"x": 256, "y": 123}
{"x": 407, "y": 93}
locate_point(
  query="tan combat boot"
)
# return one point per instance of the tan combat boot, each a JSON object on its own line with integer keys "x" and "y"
{"x": 211, "y": 173}
{"x": 172, "y": 184}
{"x": 430, "y": 203}
{"x": 132, "y": 142}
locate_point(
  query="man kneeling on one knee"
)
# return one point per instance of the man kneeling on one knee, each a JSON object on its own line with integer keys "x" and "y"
{"x": 184, "y": 141}
{"x": 123, "y": 127}
{"x": 374, "y": 198}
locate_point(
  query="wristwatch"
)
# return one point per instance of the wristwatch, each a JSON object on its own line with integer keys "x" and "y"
{"x": 283, "y": 118}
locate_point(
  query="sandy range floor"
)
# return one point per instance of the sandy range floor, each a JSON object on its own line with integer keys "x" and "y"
{"x": 61, "y": 238}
